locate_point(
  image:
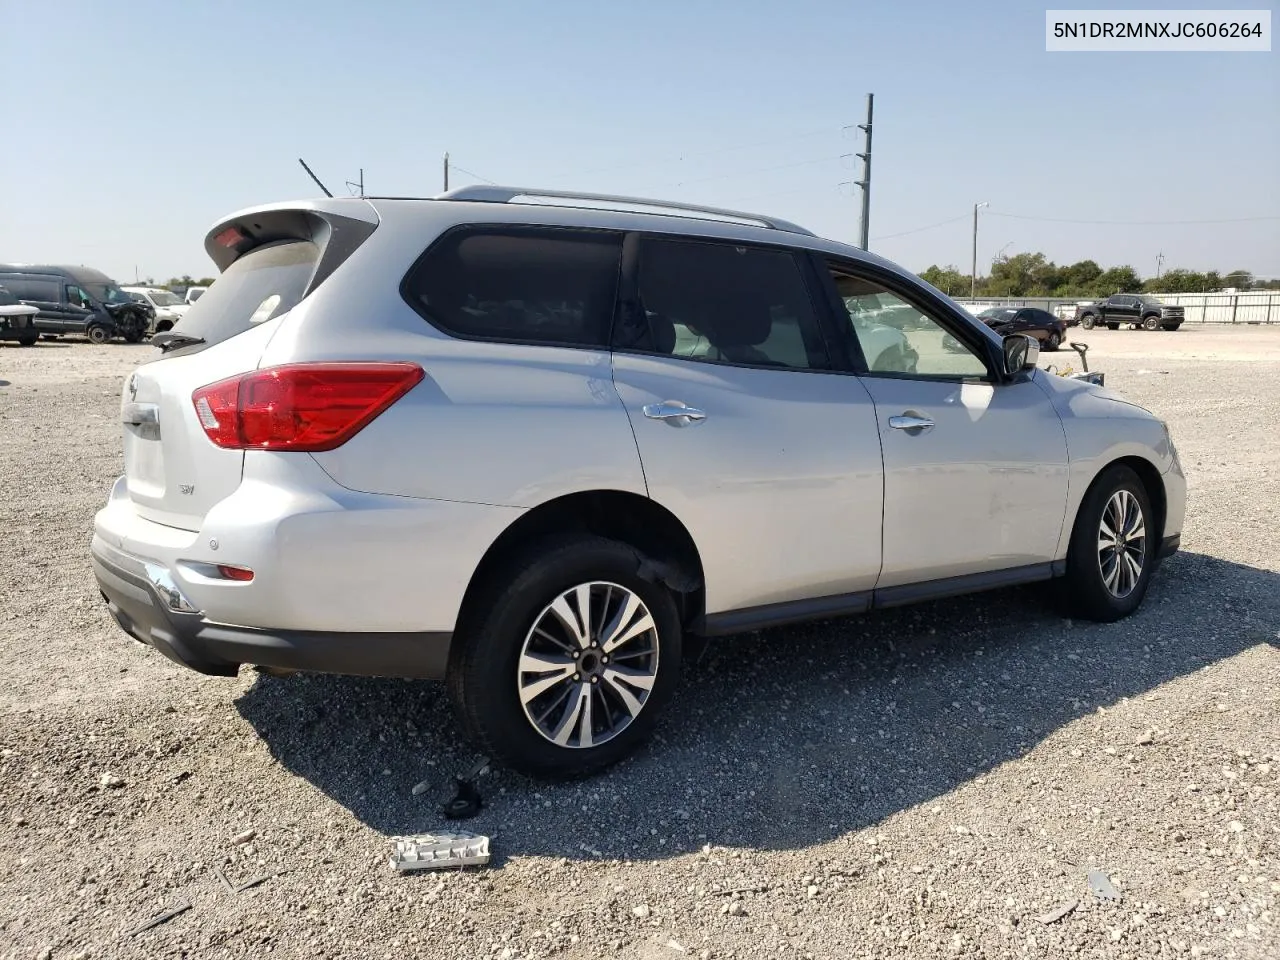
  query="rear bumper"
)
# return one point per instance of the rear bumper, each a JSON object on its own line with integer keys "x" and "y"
{"x": 146, "y": 603}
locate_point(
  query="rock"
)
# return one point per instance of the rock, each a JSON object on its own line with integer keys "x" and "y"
{"x": 111, "y": 781}
{"x": 420, "y": 788}
{"x": 811, "y": 891}
{"x": 1146, "y": 739}
{"x": 21, "y": 821}
{"x": 704, "y": 955}
{"x": 641, "y": 912}
{"x": 243, "y": 837}
{"x": 735, "y": 908}
{"x": 45, "y": 954}
{"x": 1235, "y": 826}
{"x": 508, "y": 953}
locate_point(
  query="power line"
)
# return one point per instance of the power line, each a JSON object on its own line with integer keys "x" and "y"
{"x": 932, "y": 226}
{"x": 744, "y": 173}
{"x": 789, "y": 138}
{"x": 454, "y": 166}
{"x": 1128, "y": 223}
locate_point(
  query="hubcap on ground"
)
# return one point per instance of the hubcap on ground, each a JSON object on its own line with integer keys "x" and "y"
{"x": 588, "y": 665}
{"x": 1122, "y": 544}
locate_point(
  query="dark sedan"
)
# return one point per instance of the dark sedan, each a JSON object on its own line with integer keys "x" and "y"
{"x": 1031, "y": 321}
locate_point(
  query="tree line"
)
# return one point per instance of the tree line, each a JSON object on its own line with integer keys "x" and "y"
{"x": 1034, "y": 275}
{"x": 179, "y": 283}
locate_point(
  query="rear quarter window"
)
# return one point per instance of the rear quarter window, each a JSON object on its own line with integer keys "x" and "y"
{"x": 258, "y": 287}
{"x": 550, "y": 286}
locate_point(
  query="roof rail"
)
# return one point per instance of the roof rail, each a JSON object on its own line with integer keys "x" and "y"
{"x": 496, "y": 194}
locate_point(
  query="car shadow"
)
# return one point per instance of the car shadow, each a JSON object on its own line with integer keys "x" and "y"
{"x": 783, "y": 738}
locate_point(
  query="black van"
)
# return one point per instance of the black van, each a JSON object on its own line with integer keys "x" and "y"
{"x": 77, "y": 300}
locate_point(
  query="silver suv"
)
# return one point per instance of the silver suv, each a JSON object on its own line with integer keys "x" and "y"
{"x": 527, "y": 441}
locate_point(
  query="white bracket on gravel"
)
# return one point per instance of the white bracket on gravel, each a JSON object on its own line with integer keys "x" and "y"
{"x": 439, "y": 851}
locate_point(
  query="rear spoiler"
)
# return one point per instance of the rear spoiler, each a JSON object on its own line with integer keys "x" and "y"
{"x": 337, "y": 227}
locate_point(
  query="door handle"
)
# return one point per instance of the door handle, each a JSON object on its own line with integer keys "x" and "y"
{"x": 910, "y": 422}
{"x": 674, "y": 412}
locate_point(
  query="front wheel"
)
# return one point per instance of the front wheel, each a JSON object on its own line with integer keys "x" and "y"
{"x": 1151, "y": 323}
{"x": 98, "y": 334}
{"x": 1113, "y": 548}
{"x": 564, "y": 661}
{"x": 133, "y": 336}
{"x": 28, "y": 341}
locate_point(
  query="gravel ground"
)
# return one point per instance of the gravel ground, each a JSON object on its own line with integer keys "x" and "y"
{"x": 923, "y": 783}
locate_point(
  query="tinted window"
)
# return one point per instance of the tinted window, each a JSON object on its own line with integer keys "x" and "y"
{"x": 549, "y": 286}
{"x": 721, "y": 302}
{"x": 262, "y": 284}
{"x": 899, "y": 338}
{"x": 7, "y": 299}
{"x": 26, "y": 289}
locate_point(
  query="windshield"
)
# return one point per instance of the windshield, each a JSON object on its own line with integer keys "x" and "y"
{"x": 164, "y": 298}
{"x": 107, "y": 293}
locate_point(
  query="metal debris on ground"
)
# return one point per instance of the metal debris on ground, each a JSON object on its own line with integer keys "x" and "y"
{"x": 159, "y": 919}
{"x": 466, "y": 801}
{"x": 223, "y": 877}
{"x": 247, "y": 885}
{"x": 439, "y": 851}
{"x": 1101, "y": 885}
{"x": 1058, "y": 912}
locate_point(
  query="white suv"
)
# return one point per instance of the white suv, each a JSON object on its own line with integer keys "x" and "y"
{"x": 528, "y": 440}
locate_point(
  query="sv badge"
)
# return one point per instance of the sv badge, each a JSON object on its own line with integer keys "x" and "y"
{"x": 186, "y": 489}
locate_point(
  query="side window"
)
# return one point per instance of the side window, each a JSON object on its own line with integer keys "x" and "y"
{"x": 541, "y": 285}
{"x": 898, "y": 338}
{"x": 720, "y": 302}
{"x": 76, "y": 297}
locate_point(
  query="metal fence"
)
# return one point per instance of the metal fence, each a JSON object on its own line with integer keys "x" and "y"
{"x": 1261, "y": 306}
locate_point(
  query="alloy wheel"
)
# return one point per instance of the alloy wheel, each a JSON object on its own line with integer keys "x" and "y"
{"x": 1122, "y": 544}
{"x": 588, "y": 665}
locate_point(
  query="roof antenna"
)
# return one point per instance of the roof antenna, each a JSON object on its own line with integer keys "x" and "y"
{"x": 315, "y": 178}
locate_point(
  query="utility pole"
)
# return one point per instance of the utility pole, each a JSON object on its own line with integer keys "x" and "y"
{"x": 360, "y": 185}
{"x": 865, "y": 182}
{"x": 973, "y": 276}
{"x": 1159, "y": 263}
{"x": 446, "y": 172}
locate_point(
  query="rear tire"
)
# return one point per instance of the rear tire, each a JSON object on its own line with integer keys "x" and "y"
{"x": 1053, "y": 342}
{"x": 1107, "y": 576}
{"x": 98, "y": 334}
{"x": 28, "y": 341}
{"x": 1086, "y": 322}
{"x": 514, "y": 715}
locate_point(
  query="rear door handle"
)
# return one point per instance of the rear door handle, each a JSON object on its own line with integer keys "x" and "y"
{"x": 911, "y": 423}
{"x": 674, "y": 412}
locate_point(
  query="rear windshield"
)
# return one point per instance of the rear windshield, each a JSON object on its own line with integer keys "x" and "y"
{"x": 259, "y": 286}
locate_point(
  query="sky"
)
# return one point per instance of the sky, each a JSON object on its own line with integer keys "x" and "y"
{"x": 131, "y": 127}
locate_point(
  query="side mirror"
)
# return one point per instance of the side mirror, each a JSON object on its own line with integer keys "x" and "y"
{"x": 1020, "y": 353}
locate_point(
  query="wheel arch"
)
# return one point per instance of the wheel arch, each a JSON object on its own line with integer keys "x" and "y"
{"x": 1152, "y": 481}
{"x": 626, "y": 517}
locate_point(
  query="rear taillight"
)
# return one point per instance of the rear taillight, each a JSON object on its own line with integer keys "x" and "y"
{"x": 307, "y": 407}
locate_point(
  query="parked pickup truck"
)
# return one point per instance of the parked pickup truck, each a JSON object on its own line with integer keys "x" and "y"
{"x": 1135, "y": 310}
